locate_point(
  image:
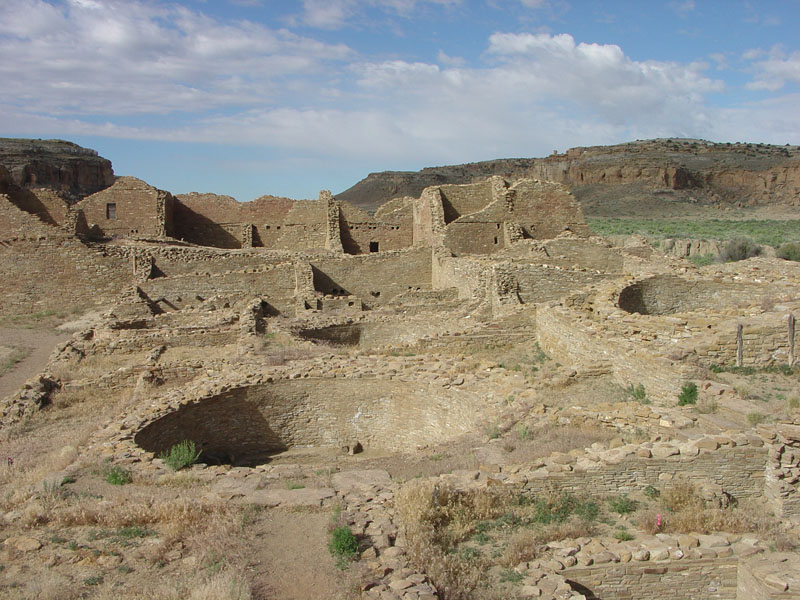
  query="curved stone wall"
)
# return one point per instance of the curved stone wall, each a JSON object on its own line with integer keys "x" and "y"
{"x": 669, "y": 294}
{"x": 245, "y": 425}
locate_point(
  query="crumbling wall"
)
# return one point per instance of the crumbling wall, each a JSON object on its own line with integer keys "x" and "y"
{"x": 460, "y": 200}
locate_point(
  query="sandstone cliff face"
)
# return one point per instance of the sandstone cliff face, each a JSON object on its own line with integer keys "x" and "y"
{"x": 744, "y": 174}
{"x": 73, "y": 171}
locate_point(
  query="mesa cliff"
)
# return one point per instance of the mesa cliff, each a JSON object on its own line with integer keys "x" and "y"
{"x": 695, "y": 171}
{"x": 71, "y": 170}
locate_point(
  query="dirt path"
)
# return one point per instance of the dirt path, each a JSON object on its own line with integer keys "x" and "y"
{"x": 40, "y": 343}
{"x": 292, "y": 561}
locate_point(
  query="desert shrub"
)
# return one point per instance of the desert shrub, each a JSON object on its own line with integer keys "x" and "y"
{"x": 789, "y": 251}
{"x": 681, "y": 495}
{"x": 524, "y": 546}
{"x": 622, "y": 534}
{"x": 343, "y": 546}
{"x": 117, "y": 475}
{"x": 702, "y": 260}
{"x": 688, "y": 394}
{"x": 181, "y": 455}
{"x": 755, "y": 418}
{"x": 638, "y": 392}
{"x": 739, "y": 248}
{"x": 622, "y": 505}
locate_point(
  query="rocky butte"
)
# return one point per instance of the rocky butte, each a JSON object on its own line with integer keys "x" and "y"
{"x": 434, "y": 385}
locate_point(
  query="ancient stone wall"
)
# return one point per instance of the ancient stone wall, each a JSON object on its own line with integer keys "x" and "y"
{"x": 129, "y": 207}
{"x": 587, "y": 346}
{"x": 374, "y": 279}
{"x": 45, "y": 270}
{"x": 460, "y": 200}
{"x": 274, "y": 283}
{"x": 316, "y": 412}
{"x": 543, "y": 283}
{"x": 738, "y": 470}
{"x": 362, "y": 234}
{"x": 710, "y": 579}
{"x": 667, "y": 294}
{"x": 213, "y": 220}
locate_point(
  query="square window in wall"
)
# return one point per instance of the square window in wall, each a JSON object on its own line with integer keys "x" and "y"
{"x": 373, "y": 246}
{"x": 111, "y": 211}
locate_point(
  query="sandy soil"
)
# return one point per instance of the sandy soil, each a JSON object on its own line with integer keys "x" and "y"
{"x": 41, "y": 343}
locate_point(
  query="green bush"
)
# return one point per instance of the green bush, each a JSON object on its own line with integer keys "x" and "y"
{"x": 117, "y": 475}
{"x": 181, "y": 455}
{"x": 688, "y": 394}
{"x": 789, "y": 251}
{"x": 639, "y": 393}
{"x": 343, "y": 546}
{"x": 702, "y": 260}
{"x": 622, "y": 505}
{"x": 755, "y": 418}
{"x": 739, "y": 248}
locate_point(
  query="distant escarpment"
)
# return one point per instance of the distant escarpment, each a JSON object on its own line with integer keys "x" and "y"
{"x": 607, "y": 179}
{"x": 71, "y": 170}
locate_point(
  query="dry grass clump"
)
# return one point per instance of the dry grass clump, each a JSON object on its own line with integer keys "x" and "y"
{"x": 683, "y": 510}
{"x": 435, "y": 517}
{"x": 462, "y": 537}
{"x": 542, "y": 441}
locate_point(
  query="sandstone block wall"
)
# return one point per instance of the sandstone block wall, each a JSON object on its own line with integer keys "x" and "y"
{"x": 129, "y": 207}
{"x": 687, "y": 580}
{"x": 586, "y": 345}
{"x": 374, "y": 279}
{"x": 739, "y": 470}
{"x": 321, "y": 412}
{"x": 274, "y": 283}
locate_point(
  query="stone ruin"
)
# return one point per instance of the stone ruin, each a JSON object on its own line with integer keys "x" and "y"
{"x": 192, "y": 285}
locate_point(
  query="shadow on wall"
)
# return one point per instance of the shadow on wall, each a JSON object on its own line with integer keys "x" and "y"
{"x": 323, "y": 283}
{"x": 197, "y": 229}
{"x": 27, "y": 201}
{"x": 226, "y": 429}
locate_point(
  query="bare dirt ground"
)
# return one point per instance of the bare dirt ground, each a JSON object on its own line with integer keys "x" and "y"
{"x": 37, "y": 344}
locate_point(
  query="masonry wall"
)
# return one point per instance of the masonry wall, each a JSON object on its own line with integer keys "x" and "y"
{"x": 359, "y": 230}
{"x": 569, "y": 339}
{"x": 273, "y": 283}
{"x": 475, "y": 237}
{"x": 135, "y": 209}
{"x": 44, "y": 270}
{"x": 212, "y": 220}
{"x": 740, "y": 471}
{"x": 687, "y": 580}
{"x": 374, "y": 279}
{"x": 538, "y": 283}
{"x": 765, "y": 341}
{"x": 467, "y": 275}
{"x": 44, "y": 203}
{"x": 459, "y": 200}
{"x": 320, "y": 412}
{"x": 304, "y": 228}
{"x": 667, "y": 294}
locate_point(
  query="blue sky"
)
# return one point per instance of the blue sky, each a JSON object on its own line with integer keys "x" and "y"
{"x": 253, "y": 97}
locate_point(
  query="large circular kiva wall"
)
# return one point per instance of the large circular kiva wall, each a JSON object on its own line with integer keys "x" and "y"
{"x": 246, "y": 424}
{"x": 668, "y": 294}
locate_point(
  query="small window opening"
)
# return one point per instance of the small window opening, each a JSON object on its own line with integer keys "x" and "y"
{"x": 266, "y": 226}
{"x": 498, "y": 225}
{"x": 111, "y": 211}
{"x": 373, "y": 246}
{"x": 277, "y": 227}
{"x": 495, "y": 240}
